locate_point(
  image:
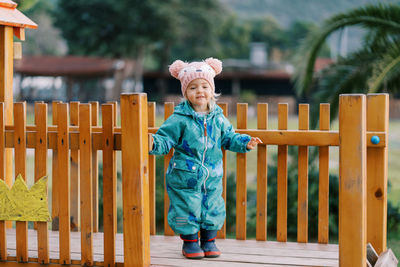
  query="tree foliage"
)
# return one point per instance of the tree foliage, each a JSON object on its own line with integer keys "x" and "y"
{"x": 375, "y": 67}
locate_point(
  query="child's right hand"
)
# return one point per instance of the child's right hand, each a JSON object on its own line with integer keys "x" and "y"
{"x": 253, "y": 142}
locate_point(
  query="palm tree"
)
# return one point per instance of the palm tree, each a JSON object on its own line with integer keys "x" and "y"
{"x": 375, "y": 67}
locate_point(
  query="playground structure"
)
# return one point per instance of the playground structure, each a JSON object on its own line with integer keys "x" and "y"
{"x": 74, "y": 138}
{"x": 362, "y": 188}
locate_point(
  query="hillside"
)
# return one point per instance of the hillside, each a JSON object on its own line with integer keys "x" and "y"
{"x": 287, "y": 11}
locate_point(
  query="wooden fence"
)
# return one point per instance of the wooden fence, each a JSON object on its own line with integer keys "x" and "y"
{"x": 75, "y": 139}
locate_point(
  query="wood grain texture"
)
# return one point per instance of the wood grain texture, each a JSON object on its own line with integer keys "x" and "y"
{"x": 63, "y": 176}
{"x": 109, "y": 184}
{"x": 20, "y": 168}
{"x": 262, "y": 171}
{"x": 3, "y": 237}
{"x": 323, "y": 184}
{"x": 302, "y": 195}
{"x": 241, "y": 178}
{"x": 281, "y": 225}
{"x": 151, "y": 107}
{"x": 168, "y": 110}
{"x": 85, "y": 155}
{"x": 40, "y": 171}
{"x": 54, "y": 171}
{"x": 135, "y": 187}
{"x": 352, "y": 180}
{"x": 377, "y": 173}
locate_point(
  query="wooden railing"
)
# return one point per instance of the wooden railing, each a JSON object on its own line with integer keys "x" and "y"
{"x": 75, "y": 139}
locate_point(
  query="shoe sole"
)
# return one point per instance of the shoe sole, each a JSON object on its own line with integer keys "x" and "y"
{"x": 212, "y": 254}
{"x": 193, "y": 256}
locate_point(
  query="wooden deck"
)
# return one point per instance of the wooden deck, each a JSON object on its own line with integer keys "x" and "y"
{"x": 166, "y": 251}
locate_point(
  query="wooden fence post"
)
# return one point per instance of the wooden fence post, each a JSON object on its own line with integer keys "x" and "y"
{"x": 135, "y": 180}
{"x": 377, "y": 120}
{"x": 352, "y": 180}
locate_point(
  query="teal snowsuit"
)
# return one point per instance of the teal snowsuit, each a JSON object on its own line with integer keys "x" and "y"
{"x": 194, "y": 175}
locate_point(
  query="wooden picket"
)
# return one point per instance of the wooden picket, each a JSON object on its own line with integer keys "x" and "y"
{"x": 3, "y": 238}
{"x": 302, "y": 195}
{"x": 282, "y": 184}
{"x": 262, "y": 171}
{"x": 74, "y": 169}
{"x": 152, "y": 171}
{"x": 241, "y": 178}
{"x": 168, "y": 110}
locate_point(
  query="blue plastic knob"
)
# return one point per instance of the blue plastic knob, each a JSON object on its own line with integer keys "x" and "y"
{"x": 375, "y": 139}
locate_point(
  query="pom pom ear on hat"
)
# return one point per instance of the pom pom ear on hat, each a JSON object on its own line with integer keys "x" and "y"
{"x": 216, "y": 64}
{"x": 176, "y": 67}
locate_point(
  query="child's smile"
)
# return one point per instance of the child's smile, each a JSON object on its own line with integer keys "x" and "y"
{"x": 199, "y": 94}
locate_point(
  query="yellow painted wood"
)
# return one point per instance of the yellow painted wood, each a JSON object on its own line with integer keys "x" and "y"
{"x": 20, "y": 168}
{"x": 222, "y": 232}
{"x": 352, "y": 180}
{"x": 74, "y": 169}
{"x": 6, "y": 92}
{"x": 55, "y": 209}
{"x": 14, "y": 201}
{"x": 40, "y": 171}
{"x": 281, "y": 224}
{"x": 241, "y": 178}
{"x": 109, "y": 184}
{"x": 152, "y": 171}
{"x": 135, "y": 186}
{"x": 323, "y": 186}
{"x": 302, "y": 195}
{"x": 3, "y": 238}
{"x": 262, "y": 171}
{"x": 63, "y": 178}
{"x": 377, "y": 173}
{"x": 168, "y": 110}
{"x": 95, "y": 169}
{"x": 85, "y": 155}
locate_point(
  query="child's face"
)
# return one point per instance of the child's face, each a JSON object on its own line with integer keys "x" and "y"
{"x": 199, "y": 93}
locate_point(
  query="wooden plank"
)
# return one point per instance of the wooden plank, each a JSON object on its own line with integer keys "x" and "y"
{"x": 302, "y": 196}
{"x": 323, "y": 191}
{"x": 54, "y": 173}
{"x": 3, "y": 237}
{"x": 40, "y": 171}
{"x": 20, "y": 168}
{"x": 74, "y": 169}
{"x": 222, "y": 232}
{"x": 352, "y": 180}
{"x": 168, "y": 110}
{"x": 6, "y": 93}
{"x": 109, "y": 184}
{"x": 241, "y": 178}
{"x": 95, "y": 169}
{"x": 377, "y": 173}
{"x": 85, "y": 155}
{"x": 262, "y": 171}
{"x": 63, "y": 182}
{"x": 152, "y": 171}
{"x": 135, "y": 186}
{"x": 281, "y": 224}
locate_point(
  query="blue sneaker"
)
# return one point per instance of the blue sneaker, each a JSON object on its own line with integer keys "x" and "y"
{"x": 207, "y": 241}
{"x": 191, "y": 248}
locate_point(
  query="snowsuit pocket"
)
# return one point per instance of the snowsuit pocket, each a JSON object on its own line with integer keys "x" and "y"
{"x": 184, "y": 175}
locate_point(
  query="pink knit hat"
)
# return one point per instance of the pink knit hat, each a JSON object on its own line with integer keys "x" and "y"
{"x": 187, "y": 72}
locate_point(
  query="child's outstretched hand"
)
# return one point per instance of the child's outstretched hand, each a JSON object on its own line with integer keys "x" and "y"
{"x": 253, "y": 142}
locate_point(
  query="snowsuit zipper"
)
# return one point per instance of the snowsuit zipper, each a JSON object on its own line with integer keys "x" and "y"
{"x": 204, "y": 154}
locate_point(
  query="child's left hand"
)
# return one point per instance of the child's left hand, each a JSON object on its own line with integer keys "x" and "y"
{"x": 253, "y": 142}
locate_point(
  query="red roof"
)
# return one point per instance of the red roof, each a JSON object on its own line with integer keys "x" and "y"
{"x": 11, "y": 16}
{"x": 64, "y": 66}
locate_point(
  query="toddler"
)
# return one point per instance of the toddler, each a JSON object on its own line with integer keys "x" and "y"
{"x": 197, "y": 130}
